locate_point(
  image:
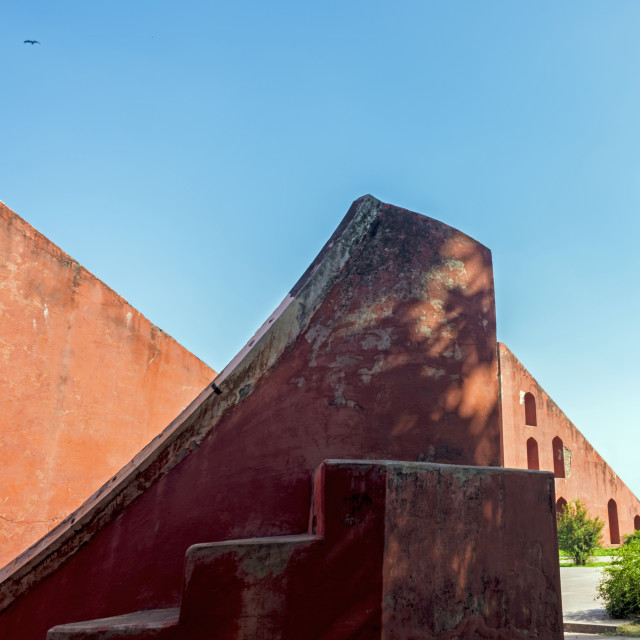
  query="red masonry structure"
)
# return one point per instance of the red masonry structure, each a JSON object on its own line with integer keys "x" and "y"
{"x": 538, "y": 435}
{"x": 340, "y": 478}
{"x": 376, "y": 563}
{"x": 86, "y": 381}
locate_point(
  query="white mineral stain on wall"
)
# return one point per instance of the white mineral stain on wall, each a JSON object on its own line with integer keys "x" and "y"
{"x": 46, "y": 311}
{"x": 377, "y": 338}
{"x": 567, "y": 461}
{"x": 129, "y": 316}
{"x": 365, "y": 374}
{"x": 450, "y": 273}
{"x": 316, "y": 336}
{"x": 521, "y": 397}
{"x": 432, "y": 372}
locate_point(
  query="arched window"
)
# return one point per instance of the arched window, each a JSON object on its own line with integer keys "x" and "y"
{"x": 636, "y": 523}
{"x": 558, "y": 457}
{"x": 530, "y": 410}
{"x": 532, "y": 455}
{"x": 614, "y": 531}
{"x": 561, "y": 503}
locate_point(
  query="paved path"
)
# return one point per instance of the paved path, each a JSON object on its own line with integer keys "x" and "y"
{"x": 565, "y": 559}
{"x": 579, "y": 602}
{"x": 568, "y": 635}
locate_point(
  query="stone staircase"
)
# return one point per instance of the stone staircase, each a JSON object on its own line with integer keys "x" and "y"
{"x": 385, "y": 348}
{"x": 159, "y": 624}
{"x": 406, "y": 550}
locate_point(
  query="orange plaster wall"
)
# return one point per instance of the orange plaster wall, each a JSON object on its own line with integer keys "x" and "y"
{"x": 85, "y": 380}
{"x": 591, "y": 479}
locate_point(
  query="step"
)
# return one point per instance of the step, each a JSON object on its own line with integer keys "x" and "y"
{"x": 394, "y": 549}
{"x": 156, "y": 624}
{"x": 244, "y": 580}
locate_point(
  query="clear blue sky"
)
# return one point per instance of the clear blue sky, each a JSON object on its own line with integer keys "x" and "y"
{"x": 196, "y": 155}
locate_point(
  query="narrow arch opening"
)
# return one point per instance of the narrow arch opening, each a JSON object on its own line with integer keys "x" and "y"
{"x": 558, "y": 457}
{"x": 530, "y": 410}
{"x": 561, "y": 503}
{"x": 614, "y": 531}
{"x": 636, "y": 523}
{"x": 533, "y": 462}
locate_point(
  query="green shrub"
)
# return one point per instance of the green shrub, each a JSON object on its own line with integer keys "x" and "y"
{"x": 628, "y": 630}
{"x": 577, "y": 532}
{"x": 620, "y": 584}
{"x": 628, "y": 539}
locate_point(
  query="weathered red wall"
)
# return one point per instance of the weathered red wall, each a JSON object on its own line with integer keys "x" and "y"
{"x": 395, "y": 550}
{"x": 85, "y": 380}
{"x": 470, "y": 553}
{"x": 385, "y": 349}
{"x": 589, "y": 477}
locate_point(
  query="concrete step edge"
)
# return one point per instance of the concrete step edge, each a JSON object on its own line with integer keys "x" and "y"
{"x": 154, "y": 619}
{"x": 590, "y": 627}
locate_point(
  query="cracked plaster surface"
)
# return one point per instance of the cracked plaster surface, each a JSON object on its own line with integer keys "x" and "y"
{"x": 30, "y": 522}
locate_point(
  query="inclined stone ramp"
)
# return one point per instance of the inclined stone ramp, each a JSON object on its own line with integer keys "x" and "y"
{"x": 385, "y": 349}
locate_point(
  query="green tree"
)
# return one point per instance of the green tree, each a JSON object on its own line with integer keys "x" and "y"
{"x": 578, "y": 534}
{"x": 620, "y": 584}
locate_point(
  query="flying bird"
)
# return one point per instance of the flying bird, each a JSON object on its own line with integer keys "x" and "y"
{"x": 30, "y": 42}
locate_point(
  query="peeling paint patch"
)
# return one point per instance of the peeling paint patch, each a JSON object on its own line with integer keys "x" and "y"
{"x": 449, "y": 273}
{"x": 129, "y": 316}
{"x": 428, "y": 457}
{"x": 263, "y": 560}
{"x": 377, "y": 339}
{"x": 337, "y": 383}
{"x": 344, "y": 361}
{"x": 454, "y": 264}
{"x": 366, "y": 374}
{"x": 316, "y": 336}
{"x": 567, "y": 461}
{"x": 423, "y": 328}
{"x": 244, "y": 391}
{"x": 432, "y": 372}
{"x": 369, "y": 315}
{"x": 317, "y": 333}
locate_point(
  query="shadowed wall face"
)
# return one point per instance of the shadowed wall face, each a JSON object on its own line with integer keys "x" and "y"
{"x": 399, "y": 360}
{"x": 470, "y": 553}
{"x": 85, "y": 381}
